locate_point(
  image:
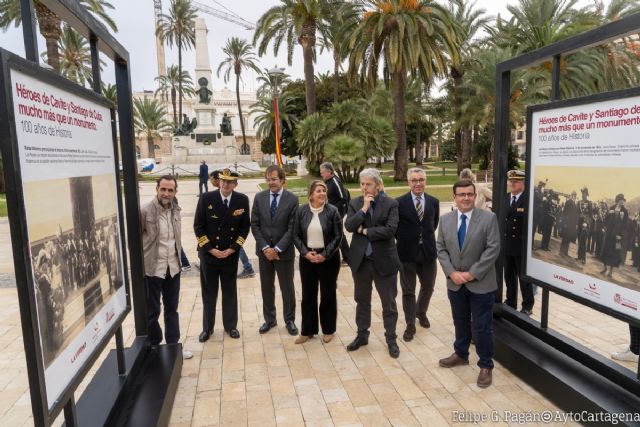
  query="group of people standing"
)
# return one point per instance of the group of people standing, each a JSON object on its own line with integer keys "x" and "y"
{"x": 389, "y": 236}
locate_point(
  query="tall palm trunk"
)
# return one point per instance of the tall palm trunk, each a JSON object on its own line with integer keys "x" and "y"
{"x": 400, "y": 126}
{"x": 419, "y": 145}
{"x": 49, "y": 25}
{"x": 336, "y": 76}
{"x": 151, "y": 147}
{"x": 173, "y": 104}
{"x": 244, "y": 137}
{"x": 466, "y": 135}
{"x": 179, "y": 80}
{"x": 307, "y": 41}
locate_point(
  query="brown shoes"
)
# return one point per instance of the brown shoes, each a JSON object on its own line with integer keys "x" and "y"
{"x": 303, "y": 339}
{"x": 453, "y": 360}
{"x": 423, "y": 320}
{"x": 485, "y": 377}
{"x": 409, "y": 333}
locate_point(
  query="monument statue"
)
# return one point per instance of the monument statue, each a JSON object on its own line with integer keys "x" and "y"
{"x": 203, "y": 92}
{"x": 225, "y": 126}
{"x": 244, "y": 148}
{"x": 186, "y": 127}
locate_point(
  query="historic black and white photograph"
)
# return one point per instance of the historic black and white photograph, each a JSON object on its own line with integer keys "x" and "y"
{"x": 587, "y": 219}
{"x": 77, "y": 266}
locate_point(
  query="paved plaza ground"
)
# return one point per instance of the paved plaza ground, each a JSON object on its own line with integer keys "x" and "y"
{"x": 267, "y": 380}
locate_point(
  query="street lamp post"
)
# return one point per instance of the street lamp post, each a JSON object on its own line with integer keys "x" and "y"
{"x": 277, "y": 74}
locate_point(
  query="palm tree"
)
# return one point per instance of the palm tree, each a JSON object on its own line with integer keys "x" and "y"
{"x": 405, "y": 36}
{"x": 75, "y": 56}
{"x": 296, "y": 21}
{"x": 336, "y": 37}
{"x": 178, "y": 27}
{"x": 110, "y": 92}
{"x": 49, "y": 22}
{"x": 239, "y": 55}
{"x": 265, "y": 115}
{"x": 170, "y": 84}
{"x": 470, "y": 21}
{"x": 269, "y": 82}
{"x": 149, "y": 119}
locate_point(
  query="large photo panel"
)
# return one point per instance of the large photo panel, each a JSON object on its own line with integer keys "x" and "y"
{"x": 584, "y": 226}
{"x": 69, "y": 187}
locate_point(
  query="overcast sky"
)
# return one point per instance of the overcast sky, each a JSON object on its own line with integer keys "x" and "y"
{"x": 135, "y": 20}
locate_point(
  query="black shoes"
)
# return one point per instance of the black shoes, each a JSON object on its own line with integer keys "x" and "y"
{"x": 233, "y": 333}
{"x": 526, "y": 312}
{"x": 291, "y": 328}
{"x": 394, "y": 350}
{"x": 409, "y": 333}
{"x": 266, "y": 326}
{"x": 360, "y": 341}
{"x": 204, "y": 336}
{"x": 424, "y": 321}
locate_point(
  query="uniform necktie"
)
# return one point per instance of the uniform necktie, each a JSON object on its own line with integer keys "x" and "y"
{"x": 226, "y": 203}
{"x": 462, "y": 231}
{"x": 513, "y": 201}
{"x": 419, "y": 209}
{"x": 274, "y": 204}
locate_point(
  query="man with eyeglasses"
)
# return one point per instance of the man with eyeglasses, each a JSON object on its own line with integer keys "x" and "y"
{"x": 468, "y": 245}
{"x": 416, "y": 243}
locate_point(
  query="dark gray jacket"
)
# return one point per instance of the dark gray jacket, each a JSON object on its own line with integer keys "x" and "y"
{"x": 274, "y": 231}
{"x": 331, "y": 223}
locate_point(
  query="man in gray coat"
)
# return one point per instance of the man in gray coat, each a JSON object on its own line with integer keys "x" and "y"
{"x": 373, "y": 258}
{"x": 468, "y": 245}
{"x": 272, "y": 219}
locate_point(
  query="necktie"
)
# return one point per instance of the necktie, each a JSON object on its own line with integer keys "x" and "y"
{"x": 462, "y": 231}
{"x": 274, "y": 204}
{"x": 226, "y": 203}
{"x": 513, "y": 201}
{"x": 419, "y": 209}
{"x": 369, "y": 250}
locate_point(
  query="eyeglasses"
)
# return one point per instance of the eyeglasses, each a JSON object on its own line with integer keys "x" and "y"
{"x": 417, "y": 181}
{"x": 465, "y": 195}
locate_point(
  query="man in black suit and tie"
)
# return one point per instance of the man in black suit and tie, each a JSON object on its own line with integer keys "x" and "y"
{"x": 513, "y": 232}
{"x": 221, "y": 224}
{"x": 373, "y": 258}
{"x": 416, "y": 242}
{"x": 272, "y": 220}
{"x": 203, "y": 176}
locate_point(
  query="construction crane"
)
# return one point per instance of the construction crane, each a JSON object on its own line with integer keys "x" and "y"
{"x": 227, "y": 16}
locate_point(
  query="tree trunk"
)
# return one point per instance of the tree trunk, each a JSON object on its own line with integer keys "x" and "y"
{"x": 466, "y": 148}
{"x": 244, "y": 137}
{"x": 458, "y": 138}
{"x": 173, "y": 104}
{"x": 49, "y": 25}
{"x": 179, "y": 80}
{"x": 399, "y": 123}
{"x": 309, "y": 79}
{"x": 151, "y": 147}
{"x": 336, "y": 76}
{"x": 419, "y": 145}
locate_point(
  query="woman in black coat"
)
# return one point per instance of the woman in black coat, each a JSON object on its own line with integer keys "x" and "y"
{"x": 317, "y": 234}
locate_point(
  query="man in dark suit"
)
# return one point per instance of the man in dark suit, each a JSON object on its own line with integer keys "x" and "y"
{"x": 468, "y": 245}
{"x": 373, "y": 220}
{"x": 221, "y": 225}
{"x": 416, "y": 242}
{"x": 338, "y": 196}
{"x": 272, "y": 220}
{"x": 203, "y": 176}
{"x": 513, "y": 233}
